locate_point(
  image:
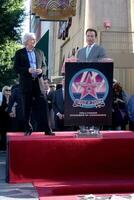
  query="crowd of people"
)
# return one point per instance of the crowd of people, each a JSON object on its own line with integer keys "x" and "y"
{"x": 34, "y": 104}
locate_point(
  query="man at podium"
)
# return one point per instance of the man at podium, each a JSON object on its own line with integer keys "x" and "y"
{"x": 92, "y": 52}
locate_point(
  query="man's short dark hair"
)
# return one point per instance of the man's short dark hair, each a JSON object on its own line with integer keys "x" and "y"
{"x": 46, "y": 79}
{"x": 91, "y": 29}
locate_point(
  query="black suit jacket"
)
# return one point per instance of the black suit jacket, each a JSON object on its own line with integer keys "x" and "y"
{"x": 58, "y": 102}
{"x": 21, "y": 66}
{"x": 50, "y": 97}
{"x": 16, "y": 98}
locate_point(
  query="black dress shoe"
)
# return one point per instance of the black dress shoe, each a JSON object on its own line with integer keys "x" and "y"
{"x": 49, "y": 133}
{"x": 28, "y": 132}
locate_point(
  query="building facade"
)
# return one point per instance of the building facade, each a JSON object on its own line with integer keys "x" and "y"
{"x": 114, "y": 22}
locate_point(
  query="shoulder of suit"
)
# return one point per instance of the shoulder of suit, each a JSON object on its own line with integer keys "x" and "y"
{"x": 81, "y": 49}
{"x": 58, "y": 90}
{"x": 98, "y": 46}
{"x": 38, "y": 50}
{"x": 21, "y": 50}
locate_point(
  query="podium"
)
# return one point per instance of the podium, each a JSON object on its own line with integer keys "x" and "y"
{"x": 88, "y": 95}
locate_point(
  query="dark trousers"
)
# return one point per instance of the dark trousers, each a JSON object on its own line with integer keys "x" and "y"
{"x": 131, "y": 125}
{"x": 35, "y": 104}
{"x": 59, "y": 125}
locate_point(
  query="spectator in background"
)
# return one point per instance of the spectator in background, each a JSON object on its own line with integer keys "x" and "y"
{"x": 50, "y": 95}
{"x": 131, "y": 112}
{"x": 52, "y": 87}
{"x": 58, "y": 86}
{"x": 4, "y": 117}
{"x": 58, "y": 107}
{"x": 119, "y": 108}
{"x": 15, "y": 109}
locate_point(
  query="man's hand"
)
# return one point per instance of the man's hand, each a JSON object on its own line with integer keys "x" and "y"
{"x": 12, "y": 114}
{"x": 32, "y": 70}
{"x": 59, "y": 115}
{"x": 109, "y": 60}
{"x": 39, "y": 71}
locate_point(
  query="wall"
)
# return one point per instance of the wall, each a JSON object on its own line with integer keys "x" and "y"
{"x": 124, "y": 70}
{"x": 93, "y": 13}
{"x": 116, "y": 11}
{"x": 75, "y": 39}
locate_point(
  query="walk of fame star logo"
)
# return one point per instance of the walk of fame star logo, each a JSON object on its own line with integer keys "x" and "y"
{"x": 88, "y": 88}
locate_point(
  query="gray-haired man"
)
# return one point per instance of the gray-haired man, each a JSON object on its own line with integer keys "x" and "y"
{"x": 29, "y": 64}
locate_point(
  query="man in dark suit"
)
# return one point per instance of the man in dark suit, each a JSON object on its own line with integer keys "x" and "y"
{"x": 15, "y": 109}
{"x": 29, "y": 64}
{"x": 92, "y": 52}
{"x": 58, "y": 106}
{"x": 50, "y": 94}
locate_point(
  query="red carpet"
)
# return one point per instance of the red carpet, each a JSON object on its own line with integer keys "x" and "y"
{"x": 63, "y": 164}
{"x": 84, "y": 187}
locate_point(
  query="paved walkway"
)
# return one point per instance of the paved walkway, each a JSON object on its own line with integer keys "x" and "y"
{"x": 14, "y": 191}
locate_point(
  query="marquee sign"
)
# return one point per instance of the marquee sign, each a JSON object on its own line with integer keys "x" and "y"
{"x": 54, "y": 9}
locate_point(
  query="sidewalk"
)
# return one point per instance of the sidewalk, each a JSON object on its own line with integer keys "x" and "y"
{"x": 14, "y": 191}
